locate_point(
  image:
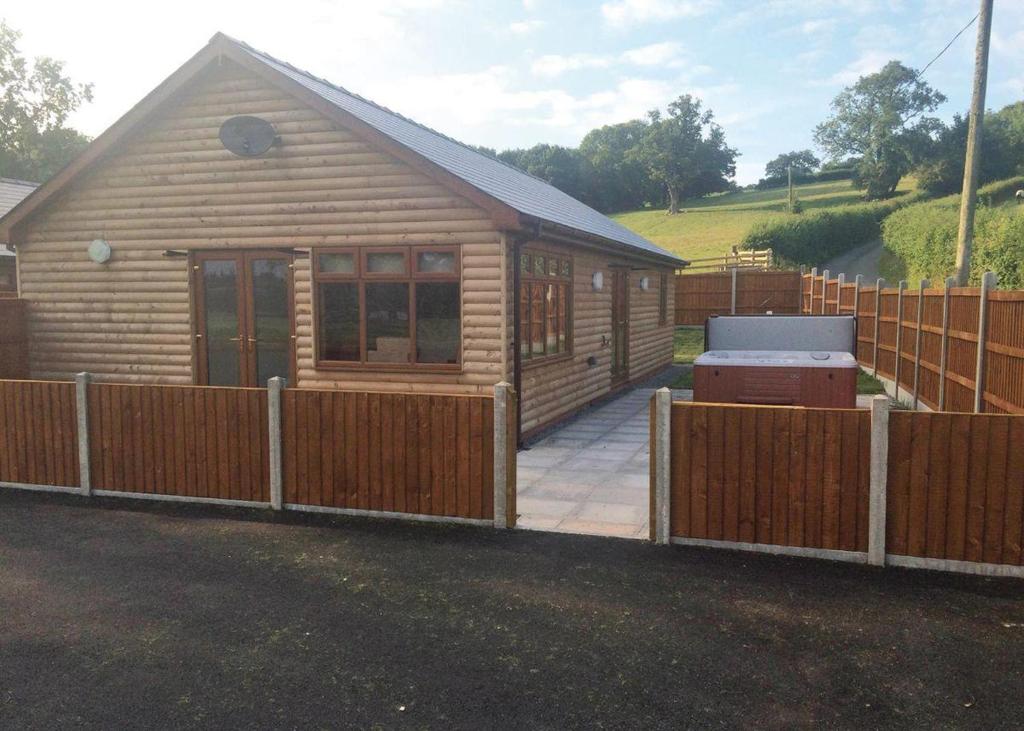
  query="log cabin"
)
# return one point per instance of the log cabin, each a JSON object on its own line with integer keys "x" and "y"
{"x": 247, "y": 220}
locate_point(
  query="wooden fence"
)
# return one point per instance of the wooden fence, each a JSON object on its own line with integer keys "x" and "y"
{"x": 926, "y": 341}
{"x": 446, "y": 457}
{"x": 13, "y": 339}
{"x": 906, "y": 488}
{"x": 756, "y": 259}
{"x": 740, "y": 292}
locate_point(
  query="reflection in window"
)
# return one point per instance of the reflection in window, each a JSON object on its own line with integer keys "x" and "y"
{"x": 338, "y": 322}
{"x": 437, "y": 322}
{"x": 545, "y": 305}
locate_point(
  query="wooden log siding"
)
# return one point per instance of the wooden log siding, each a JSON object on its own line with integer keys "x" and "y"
{"x": 192, "y": 441}
{"x": 174, "y": 186}
{"x": 419, "y": 454}
{"x": 775, "y": 475}
{"x": 13, "y": 339}
{"x": 699, "y": 296}
{"x": 956, "y": 487}
{"x": 554, "y": 387}
{"x": 38, "y": 433}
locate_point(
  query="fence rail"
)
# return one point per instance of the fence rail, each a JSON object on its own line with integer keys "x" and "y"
{"x": 750, "y": 259}
{"x": 449, "y": 457}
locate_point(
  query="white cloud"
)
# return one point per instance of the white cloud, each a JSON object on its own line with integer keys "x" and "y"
{"x": 622, "y": 13}
{"x": 818, "y": 26}
{"x": 867, "y": 63}
{"x": 523, "y": 27}
{"x": 663, "y": 55}
{"x": 555, "y": 65}
{"x": 656, "y": 54}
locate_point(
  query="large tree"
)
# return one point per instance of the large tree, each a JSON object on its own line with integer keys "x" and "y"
{"x": 619, "y": 181}
{"x": 563, "y": 167}
{"x": 942, "y": 170}
{"x": 880, "y": 119}
{"x": 35, "y": 101}
{"x": 685, "y": 151}
{"x": 803, "y": 162}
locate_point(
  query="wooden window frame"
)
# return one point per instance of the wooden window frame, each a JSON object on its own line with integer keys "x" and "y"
{"x": 361, "y": 278}
{"x": 528, "y": 278}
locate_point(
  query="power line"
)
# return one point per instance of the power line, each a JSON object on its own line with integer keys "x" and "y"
{"x": 946, "y": 48}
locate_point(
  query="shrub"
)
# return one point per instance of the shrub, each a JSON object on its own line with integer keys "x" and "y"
{"x": 924, "y": 236}
{"x": 815, "y": 237}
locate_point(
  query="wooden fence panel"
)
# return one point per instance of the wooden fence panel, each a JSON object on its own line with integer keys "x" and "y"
{"x": 405, "y": 453}
{"x": 956, "y": 487}
{"x": 38, "y": 433}
{"x": 761, "y": 292}
{"x": 908, "y": 339}
{"x": 888, "y": 320}
{"x": 831, "y": 297}
{"x": 931, "y": 347}
{"x": 962, "y": 350}
{"x": 847, "y": 295}
{"x": 190, "y": 441}
{"x": 866, "y": 327}
{"x": 775, "y": 475}
{"x": 13, "y": 339}
{"x": 699, "y": 296}
{"x": 1004, "y": 353}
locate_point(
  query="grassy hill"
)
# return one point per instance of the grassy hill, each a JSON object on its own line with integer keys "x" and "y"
{"x": 711, "y": 226}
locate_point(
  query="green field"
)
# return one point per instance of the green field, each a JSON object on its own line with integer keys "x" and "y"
{"x": 711, "y": 226}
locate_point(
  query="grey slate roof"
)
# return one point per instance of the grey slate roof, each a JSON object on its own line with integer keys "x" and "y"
{"x": 525, "y": 193}
{"x": 12, "y": 192}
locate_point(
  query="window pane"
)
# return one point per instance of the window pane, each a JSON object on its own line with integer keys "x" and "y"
{"x": 524, "y": 321}
{"x": 271, "y": 318}
{"x": 220, "y": 304}
{"x": 553, "y": 267}
{"x": 337, "y": 263}
{"x": 552, "y": 308}
{"x": 432, "y": 262}
{"x": 385, "y": 263}
{"x": 565, "y": 267}
{"x": 338, "y": 325}
{"x": 539, "y": 265}
{"x": 387, "y": 322}
{"x": 437, "y": 322}
{"x": 537, "y": 319}
{"x": 563, "y": 320}
{"x": 524, "y": 263}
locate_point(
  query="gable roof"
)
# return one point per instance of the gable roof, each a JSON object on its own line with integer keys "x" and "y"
{"x": 13, "y": 192}
{"x": 509, "y": 187}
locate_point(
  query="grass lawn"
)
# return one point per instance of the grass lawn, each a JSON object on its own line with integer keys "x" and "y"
{"x": 711, "y": 226}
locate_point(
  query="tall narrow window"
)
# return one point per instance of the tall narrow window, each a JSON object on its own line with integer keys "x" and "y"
{"x": 663, "y": 286}
{"x": 393, "y": 306}
{"x": 545, "y": 305}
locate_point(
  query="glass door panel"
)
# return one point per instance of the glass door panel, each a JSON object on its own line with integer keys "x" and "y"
{"x": 270, "y": 337}
{"x": 222, "y": 334}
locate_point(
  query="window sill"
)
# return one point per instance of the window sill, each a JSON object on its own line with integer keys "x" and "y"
{"x": 532, "y": 363}
{"x": 449, "y": 369}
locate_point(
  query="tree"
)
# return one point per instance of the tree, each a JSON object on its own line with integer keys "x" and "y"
{"x": 942, "y": 170}
{"x": 803, "y": 162}
{"x": 618, "y": 180}
{"x": 35, "y": 101}
{"x": 686, "y": 151}
{"x": 880, "y": 119}
{"x": 563, "y": 167}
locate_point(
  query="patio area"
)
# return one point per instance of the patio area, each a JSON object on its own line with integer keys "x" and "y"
{"x": 591, "y": 476}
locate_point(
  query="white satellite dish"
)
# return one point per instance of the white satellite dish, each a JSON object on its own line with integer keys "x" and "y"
{"x": 99, "y": 251}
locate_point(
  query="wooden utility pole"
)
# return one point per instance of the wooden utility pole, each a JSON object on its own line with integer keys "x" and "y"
{"x": 789, "y": 173}
{"x": 969, "y": 197}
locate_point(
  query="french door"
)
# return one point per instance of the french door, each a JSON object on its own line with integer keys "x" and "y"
{"x": 620, "y": 325}
{"x": 244, "y": 319}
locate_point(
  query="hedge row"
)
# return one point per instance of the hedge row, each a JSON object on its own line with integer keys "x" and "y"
{"x": 815, "y": 237}
{"x": 925, "y": 236}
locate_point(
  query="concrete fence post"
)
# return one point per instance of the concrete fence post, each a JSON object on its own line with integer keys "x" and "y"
{"x": 824, "y": 290}
{"x": 501, "y": 455}
{"x": 988, "y": 283}
{"x": 810, "y": 292}
{"x": 840, "y": 281}
{"x": 944, "y": 346}
{"x": 274, "y": 388}
{"x": 925, "y": 284}
{"x": 732, "y": 302}
{"x": 858, "y": 282}
{"x": 82, "y": 413}
{"x": 879, "y": 285}
{"x": 902, "y": 287}
{"x": 879, "y": 475}
{"x": 662, "y": 457}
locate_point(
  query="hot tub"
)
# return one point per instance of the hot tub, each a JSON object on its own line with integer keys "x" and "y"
{"x": 788, "y": 378}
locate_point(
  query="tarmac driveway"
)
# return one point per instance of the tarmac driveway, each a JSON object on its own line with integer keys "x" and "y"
{"x": 131, "y": 615}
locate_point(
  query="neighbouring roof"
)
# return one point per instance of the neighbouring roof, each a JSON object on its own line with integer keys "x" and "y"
{"x": 523, "y": 192}
{"x": 12, "y": 192}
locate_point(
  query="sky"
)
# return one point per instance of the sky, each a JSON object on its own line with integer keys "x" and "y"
{"x": 519, "y": 72}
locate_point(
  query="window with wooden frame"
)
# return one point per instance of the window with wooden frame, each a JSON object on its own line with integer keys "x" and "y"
{"x": 545, "y": 305}
{"x": 390, "y": 306}
{"x": 663, "y": 300}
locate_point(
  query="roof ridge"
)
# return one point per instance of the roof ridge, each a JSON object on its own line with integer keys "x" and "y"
{"x": 383, "y": 108}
